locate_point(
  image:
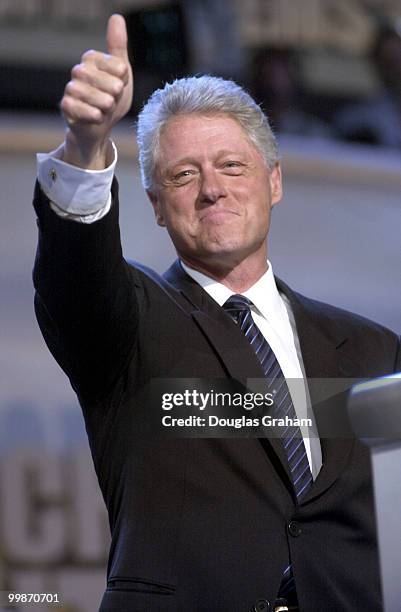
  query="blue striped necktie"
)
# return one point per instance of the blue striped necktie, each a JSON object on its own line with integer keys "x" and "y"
{"x": 239, "y": 308}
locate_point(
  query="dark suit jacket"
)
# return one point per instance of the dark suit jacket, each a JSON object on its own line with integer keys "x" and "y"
{"x": 201, "y": 525}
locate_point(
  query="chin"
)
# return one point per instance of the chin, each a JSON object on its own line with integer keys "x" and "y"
{"x": 222, "y": 248}
{"x": 228, "y": 255}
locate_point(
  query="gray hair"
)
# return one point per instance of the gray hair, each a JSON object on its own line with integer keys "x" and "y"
{"x": 203, "y": 95}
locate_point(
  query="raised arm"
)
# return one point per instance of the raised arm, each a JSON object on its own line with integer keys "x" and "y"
{"x": 86, "y": 295}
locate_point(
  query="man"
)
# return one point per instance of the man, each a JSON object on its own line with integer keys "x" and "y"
{"x": 200, "y": 524}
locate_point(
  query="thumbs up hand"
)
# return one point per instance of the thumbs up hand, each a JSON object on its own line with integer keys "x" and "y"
{"x": 98, "y": 95}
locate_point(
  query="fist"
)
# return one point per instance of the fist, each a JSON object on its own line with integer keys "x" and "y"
{"x": 100, "y": 91}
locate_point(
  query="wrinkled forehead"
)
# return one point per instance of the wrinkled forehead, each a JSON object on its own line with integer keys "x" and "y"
{"x": 184, "y": 123}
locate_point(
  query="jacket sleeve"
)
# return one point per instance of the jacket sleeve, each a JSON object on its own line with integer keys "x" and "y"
{"x": 86, "y": 298}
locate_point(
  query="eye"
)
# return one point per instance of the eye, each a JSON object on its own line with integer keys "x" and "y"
{"x": 233, "y": 167}
{"x": 183, "y": 177}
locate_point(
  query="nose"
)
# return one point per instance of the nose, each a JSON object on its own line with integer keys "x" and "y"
{"x": 212, "y": 187}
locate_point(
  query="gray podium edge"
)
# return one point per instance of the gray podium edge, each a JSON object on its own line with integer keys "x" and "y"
{"x": 374, "y": 409}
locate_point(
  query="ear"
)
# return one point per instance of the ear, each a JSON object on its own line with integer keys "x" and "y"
{"x": 156, "y": 207}
{"x": 276, "y": 185}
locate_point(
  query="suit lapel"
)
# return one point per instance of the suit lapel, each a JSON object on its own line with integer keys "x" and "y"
{"x": 321, "y": 343}
{"x": 226, "y": 338}
{"x": 324, "y": 354}
{"x": 220, "y": 331}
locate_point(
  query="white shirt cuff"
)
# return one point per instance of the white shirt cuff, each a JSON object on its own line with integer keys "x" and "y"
{"x": 75, "y": 193}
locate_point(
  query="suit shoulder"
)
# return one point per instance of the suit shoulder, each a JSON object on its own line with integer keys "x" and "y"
{"x": 144, "y": 273}
{"x": 343, "y": 320}
{"x": 153, "y": 285}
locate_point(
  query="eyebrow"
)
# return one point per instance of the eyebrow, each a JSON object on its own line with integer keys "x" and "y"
{"x": 192, "y": 161}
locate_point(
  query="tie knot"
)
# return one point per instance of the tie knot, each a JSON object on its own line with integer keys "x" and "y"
{"x": 237, "y": 305}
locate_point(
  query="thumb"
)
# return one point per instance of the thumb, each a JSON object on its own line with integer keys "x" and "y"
{"x": 116, "y": 37}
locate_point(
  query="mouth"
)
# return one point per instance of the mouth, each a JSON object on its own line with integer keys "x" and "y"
{"x": 218, "y": 215}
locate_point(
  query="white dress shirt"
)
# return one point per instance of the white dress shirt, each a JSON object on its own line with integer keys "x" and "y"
{"x": 84, "y": 196}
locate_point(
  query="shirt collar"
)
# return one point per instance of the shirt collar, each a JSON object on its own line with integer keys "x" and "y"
{"x": 263, "y": 294}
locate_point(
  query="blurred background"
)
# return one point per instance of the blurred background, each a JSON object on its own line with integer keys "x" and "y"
{"x": 328, "y": 74}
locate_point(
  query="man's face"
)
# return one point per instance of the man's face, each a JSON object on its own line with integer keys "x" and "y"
{"x": 214, "y": 191}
